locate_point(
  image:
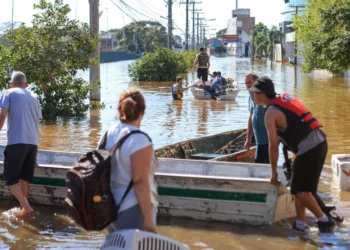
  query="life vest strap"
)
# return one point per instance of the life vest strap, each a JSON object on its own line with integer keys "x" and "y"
{"x": 305, "y": 114}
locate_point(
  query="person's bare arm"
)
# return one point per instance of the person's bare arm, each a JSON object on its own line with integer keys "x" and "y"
{"x": 3, "y": 116}
{"x": 208, "y": 63}
{"x": 249, "y": 133}
{"x": 140, "y": 166}
{"x": 270, "y": 123}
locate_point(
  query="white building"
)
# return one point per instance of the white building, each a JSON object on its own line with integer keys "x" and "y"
{"x": 240, "y": 24}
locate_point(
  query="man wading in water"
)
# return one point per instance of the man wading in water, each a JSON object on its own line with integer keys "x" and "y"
{"x": 203, "y": 61}
{"x": 288, "y": 120}
{"x": 23, "y": 112}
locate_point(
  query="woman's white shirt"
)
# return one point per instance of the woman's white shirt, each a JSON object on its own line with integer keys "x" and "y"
{"x": 121, "y": 173}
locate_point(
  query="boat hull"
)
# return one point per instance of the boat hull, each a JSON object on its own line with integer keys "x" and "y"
{"x": 202, "y": 190}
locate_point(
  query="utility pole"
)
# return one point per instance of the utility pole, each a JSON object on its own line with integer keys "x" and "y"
{"x": 95, "y": 69}
{"x": 200, "y": 33}
{"x": 107, "y": 40}
{"x": 13, "y": 5}
{"x": 236, "y": 4}
{"x": 295, "y": 41}
{"x": 170, "y": 23}
{"x": 123, "y": 33}
{"x": 193, "y": 39}
{"x": 187, "y": 24}
{"x": 194, "y": 27}
{"x": 197, "y": 30}
{"x": 252, "y": 45}
{"x": 204, "y": 36}
{"x": 296, "y": 6}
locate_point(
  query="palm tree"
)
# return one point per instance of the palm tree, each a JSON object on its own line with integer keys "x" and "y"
{"x": 275, "y": 36}
{"x": 261, "y": 40}
{"x": 264, "y": 39}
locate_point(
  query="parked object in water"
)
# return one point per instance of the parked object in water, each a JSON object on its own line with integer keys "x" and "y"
{"x": 341, "y": 170}
{"x": 140, "y": 240}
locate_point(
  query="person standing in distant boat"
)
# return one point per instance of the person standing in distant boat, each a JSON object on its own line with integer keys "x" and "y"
{"x": 203, "y": 61}
{"x": 23, "y": 113}
{"x": 256, "y": 125}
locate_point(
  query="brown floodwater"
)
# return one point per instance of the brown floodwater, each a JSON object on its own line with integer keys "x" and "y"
{"x": 168, "y": 121}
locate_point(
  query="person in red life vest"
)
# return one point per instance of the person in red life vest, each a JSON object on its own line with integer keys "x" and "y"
{"x": 288, "y": 120}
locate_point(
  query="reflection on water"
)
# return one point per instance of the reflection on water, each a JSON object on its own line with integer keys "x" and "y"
{"x": 169, "y": 121}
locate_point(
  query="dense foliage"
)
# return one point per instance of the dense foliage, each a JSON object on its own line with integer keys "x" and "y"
{"x": 149, "y": 36}
{"x": 50, "y": 53}
{"x": 163, "y": 65}
{"x": 265, "y": 38}
{"x": 323, "y": 29}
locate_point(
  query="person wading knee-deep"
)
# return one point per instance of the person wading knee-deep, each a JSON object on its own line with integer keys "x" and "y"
{"x": 256, "y": 125}
{"x": 136, "y": 161}
{"x": 23, "y": 113}
{"x": 288, "y": 120}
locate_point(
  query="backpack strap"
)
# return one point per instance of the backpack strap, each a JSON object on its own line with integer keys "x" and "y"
{"x": 115, "y": 148}
{"x": 123, "y": 139}
{"x": 103, "y": 141}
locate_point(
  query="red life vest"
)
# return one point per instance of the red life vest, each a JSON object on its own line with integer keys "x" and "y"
{"x": 300, "y": 122}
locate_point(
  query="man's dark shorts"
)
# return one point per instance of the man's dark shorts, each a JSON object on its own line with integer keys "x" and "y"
{"x": 19, "y": 163}
{"x": 202, "y": 73}
{"x": 307, "y": 169}
{"x": 262, "y": 154}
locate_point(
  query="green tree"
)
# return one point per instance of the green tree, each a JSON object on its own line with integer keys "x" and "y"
{"x": 50, "y": 53}
{"x": 5, "y": 58}
{"x": 150, "y": 36}
{"x": 162, "y": 65}
{"x": 323, "y": 29}
{"x": 220, "y": 33}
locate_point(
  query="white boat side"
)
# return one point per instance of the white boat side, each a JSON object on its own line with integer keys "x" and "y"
{"x": 203, "y": 190}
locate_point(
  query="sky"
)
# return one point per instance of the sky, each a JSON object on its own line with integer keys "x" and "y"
{"x": 268, "y": 12}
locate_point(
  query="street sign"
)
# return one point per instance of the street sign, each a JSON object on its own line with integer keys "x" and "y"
{"x": 230, "y": 38}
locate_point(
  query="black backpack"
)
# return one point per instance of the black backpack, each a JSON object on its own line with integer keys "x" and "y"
{"x": 89, "y": 199}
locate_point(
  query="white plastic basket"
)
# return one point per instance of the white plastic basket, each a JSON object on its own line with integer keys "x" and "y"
{"x": 140, "y": 240}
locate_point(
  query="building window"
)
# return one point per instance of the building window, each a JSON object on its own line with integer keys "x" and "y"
{"x": 239, "y": 32}
{"x": 286, "y": 1}
{"x": 239, "y": 23}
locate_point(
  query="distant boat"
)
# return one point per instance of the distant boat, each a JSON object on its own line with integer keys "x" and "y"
{"x": 229, "y": 94}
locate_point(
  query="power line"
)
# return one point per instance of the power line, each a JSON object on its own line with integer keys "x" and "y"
{"x": 127, "y": 14}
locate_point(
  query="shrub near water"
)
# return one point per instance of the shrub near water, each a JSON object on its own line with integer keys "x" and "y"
{"x": 162, "y": 65}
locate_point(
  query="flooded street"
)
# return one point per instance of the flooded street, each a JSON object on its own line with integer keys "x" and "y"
{"x": 168, "y": 121}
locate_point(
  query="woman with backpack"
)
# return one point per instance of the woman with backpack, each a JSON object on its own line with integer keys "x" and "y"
{"x": 134, "y": 161}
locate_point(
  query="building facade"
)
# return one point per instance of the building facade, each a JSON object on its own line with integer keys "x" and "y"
{"x": 291, "y": 7}
{"x": 240, "y": 24}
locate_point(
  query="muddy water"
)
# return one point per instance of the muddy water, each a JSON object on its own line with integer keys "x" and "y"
{"x": 170, "y": 121}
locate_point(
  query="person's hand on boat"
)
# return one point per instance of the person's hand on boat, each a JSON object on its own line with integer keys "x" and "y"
{"x": 149, "y": 225}
{"x": 274, "y": 179}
